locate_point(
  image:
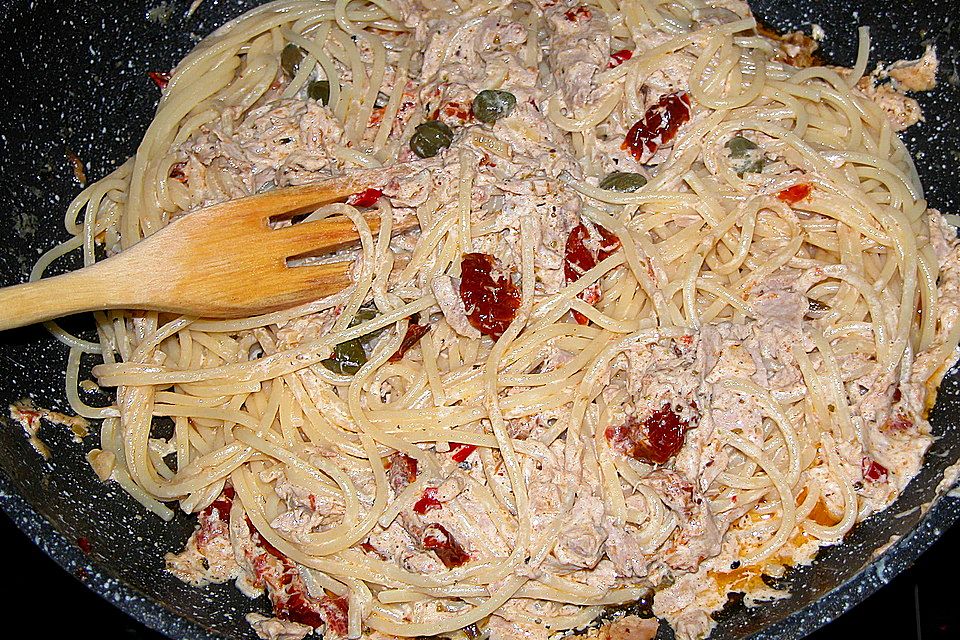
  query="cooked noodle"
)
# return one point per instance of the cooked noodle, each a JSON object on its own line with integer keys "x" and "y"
{"x": 798, "y": 342}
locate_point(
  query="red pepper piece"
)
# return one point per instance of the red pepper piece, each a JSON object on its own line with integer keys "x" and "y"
{"x": 617, "y": 58}
{"x": 796, "y": 193}
{"x": 437, "y": 539}
{"x": 461, "y": 451}
{"x": 489, "y": 296}
{"x": 428, "y": 502}
{"x": 366, "y": 198}
{"x": 160, "y": 78}
{"x": 414, "y": 332}
{"x": 873, "y": 471}
{"x": 658, "y": 127}
{"x": 582, "y": 253}
{"x": 655, "y": 440}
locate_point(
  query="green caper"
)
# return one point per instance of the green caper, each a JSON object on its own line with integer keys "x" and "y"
{"x": 740, "y": 147}
{"x": 491, "y": 104}
{"x": 748, "y": 153}
{"x": 290, "y": 59}
{"x": 319, "y": 90}
{"x": 622, "y": 182}
{"x": 347, "y": 358}
{"x": 366, "y": 314}
{"x": 428, "y": 138}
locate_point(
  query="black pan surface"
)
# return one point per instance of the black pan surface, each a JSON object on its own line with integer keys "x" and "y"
{"x": 74, "y": 77}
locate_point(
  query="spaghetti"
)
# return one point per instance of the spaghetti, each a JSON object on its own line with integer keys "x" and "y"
{"x": 671, "y": 320}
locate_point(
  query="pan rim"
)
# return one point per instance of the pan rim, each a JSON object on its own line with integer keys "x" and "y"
{"x": 944, "y": 513}
{"x": 156, "y": 615}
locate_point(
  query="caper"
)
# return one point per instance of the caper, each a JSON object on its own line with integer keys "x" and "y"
{"x": 319, "y": 90}
{"x": 347, "y": 358}
{"x": 739, "y": 147}
{"x": 429, "y": 137}
{"x": 623, "y": 182}
{"x": 491, "y": 104}
{"x": 748, "y": 153}
{"x": 290, "y": 59}
{"x": 366, "y": 314}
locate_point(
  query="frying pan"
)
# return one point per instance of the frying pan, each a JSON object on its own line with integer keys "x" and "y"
{"x": 74, "y": 80}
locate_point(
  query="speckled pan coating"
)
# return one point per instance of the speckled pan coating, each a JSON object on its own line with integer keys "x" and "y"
{"x": 74, "y": 76}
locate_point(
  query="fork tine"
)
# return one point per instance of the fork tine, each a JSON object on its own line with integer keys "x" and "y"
{"x": 297, "y": 285}
{"x": 318, "y": 280}
{"x": 327, "y": 235}
{"x": 289, "y": 201}
{"x": 322, "y": 236}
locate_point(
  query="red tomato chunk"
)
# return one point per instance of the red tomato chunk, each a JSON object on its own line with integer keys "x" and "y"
{"x": 617, "y": 58}
{"x": 579, "y": 13}
{"x": 488, "y": 294}
{"x": 655, "y": 440}
{"x": 366, "y": 198}
{"x": 582, "y": 253}
{"x": 411, "y": 337}
{"x": 794, "y": 194}
{"x": 437, "y": 539}
{"x": 428, "y": 502}
{"x": 658, "y": 127}
{"x": 873, "y": 471}
{"x": 160, "y": 78}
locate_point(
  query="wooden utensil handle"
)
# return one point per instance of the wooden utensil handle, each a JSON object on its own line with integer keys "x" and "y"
{"x": 85, "y": 290}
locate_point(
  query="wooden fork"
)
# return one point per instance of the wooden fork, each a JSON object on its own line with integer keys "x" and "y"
{"x": 223, "y": 261}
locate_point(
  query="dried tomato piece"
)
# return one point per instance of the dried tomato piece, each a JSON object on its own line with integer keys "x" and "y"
{"x": 79, "y": 173}
{"x": 488, "y": 294}
{"x": 414, "y": 332}
{"x": 437, "y": 539}
{"x": 794, "y": 194}
{"x": 366, "y": 198}
{"x": 658, "y": 127}
{"x": 899, "y": 422}
{"x": 873, "y": 471}
{"x": 427, "y": 502}
{"x": 617, "y": 58}
{"x": 334, "y": 612}
{"x": 579, "y": 13}
{"x": 461, "y": 451}
{"x": 656, "y": 439}
{"x": 582, "y": 253}
{"x": 215, "y": 519}
{"x": 288, "y": 593}
{"x": 160, "y": 78}
{"x": 298, "y": 608}
{"x": 402, "y": 472}
{"x": 176, "y": 172}
{"x": 455, "y": 113}
{"x": 221, "y": 506}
